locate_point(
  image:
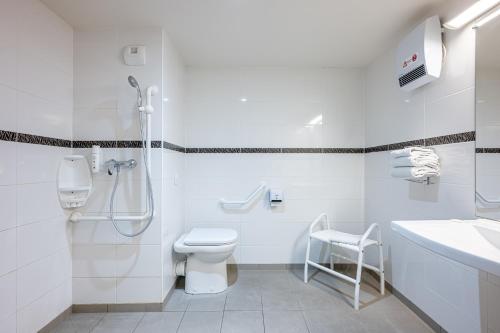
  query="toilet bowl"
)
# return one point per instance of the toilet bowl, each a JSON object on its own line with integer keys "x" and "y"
{"x": 207, "y": 250}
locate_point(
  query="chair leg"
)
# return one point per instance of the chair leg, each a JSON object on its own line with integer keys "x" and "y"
{"x": 331, "y": 257}
{"x": 381, "y": 268}
{"x": 306, "y": 273}
{"x": 358, "y": 279}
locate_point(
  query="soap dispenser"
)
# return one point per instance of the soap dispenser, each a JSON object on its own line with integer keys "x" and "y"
{"x": 74, "y": 181}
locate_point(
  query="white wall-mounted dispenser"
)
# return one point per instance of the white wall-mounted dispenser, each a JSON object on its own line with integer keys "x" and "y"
{"x": 74, "y": 181}
{"x": 134, "y": 55}
{"x": 96, "y": 159}
{"x": 420, "y": 55}
{"x": 275, "y": 197}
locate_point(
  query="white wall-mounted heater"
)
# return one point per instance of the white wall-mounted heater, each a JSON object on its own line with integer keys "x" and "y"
{"x": 420, "y": 55}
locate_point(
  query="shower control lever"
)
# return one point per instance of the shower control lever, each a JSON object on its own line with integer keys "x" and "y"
{"x": 114, "y": 164}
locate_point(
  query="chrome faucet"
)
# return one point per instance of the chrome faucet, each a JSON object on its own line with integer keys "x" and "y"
{"x": 114, "y": 164}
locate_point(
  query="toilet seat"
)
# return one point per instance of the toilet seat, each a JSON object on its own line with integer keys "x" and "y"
{"x": 210, "y": 237}
{"x": 223, "y": 240}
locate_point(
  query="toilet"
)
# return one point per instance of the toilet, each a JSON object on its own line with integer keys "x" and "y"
{"x": 205, "y": 267}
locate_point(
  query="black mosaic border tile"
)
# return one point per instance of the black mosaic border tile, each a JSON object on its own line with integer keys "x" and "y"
{"x": 218, "y": 150}
{"x": 174, "y": 147}
{"x": 43, "y": 140}
{"x": 261, "y": 150}
{"x": 451, "y": 138}
{"x": 488, "y": 150}
{"x": 434, "y": 141}
{"x": 8, "y": 136}
{"x": 301, "y": 150}
{"x": 401, "y": 145}
{"x": 375, "y": 149}
{"x": 156, "y": 144}
{"x": 89, "y": 144}
{"x": 343, "y": 150}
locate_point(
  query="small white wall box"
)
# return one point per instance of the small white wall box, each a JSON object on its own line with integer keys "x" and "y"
{"x": 275, "y": 197}
{"x": 134, "y": 55}
{"x": 420, "y": 55}
{"x": 74, "y": 181}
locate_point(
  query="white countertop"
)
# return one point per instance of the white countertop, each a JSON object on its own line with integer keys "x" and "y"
{"x": 475, "y": 243}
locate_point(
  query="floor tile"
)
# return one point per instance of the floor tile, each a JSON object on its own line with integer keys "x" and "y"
{"x": 201, "y": 322}
{"x": 285, "y": 321}
{"x": 244, "y": 300}
{"x": 79, "y": 323}
{"x": 280, "y": 300}
{"x": 242, "y": 322}
{"x": 118, "y": 322}
{"x": 207, "y": 302}
{"x": 178, "y": 301}
{"x": 326, "y": 321}
{"x": 160, "y": 322}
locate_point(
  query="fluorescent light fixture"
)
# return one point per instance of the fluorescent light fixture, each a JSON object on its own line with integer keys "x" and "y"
{"x": 486, "y": 18}
{"x": 243, "y": 99}
{"x": 474, "y": 11}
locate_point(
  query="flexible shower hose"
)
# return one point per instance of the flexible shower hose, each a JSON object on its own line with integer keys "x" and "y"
{"x": 149, "y": 189}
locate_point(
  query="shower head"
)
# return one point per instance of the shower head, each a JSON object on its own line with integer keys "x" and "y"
{"x": 133, "y": 82}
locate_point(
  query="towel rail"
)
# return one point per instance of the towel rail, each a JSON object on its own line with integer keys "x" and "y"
{"x": 228, "y": 204}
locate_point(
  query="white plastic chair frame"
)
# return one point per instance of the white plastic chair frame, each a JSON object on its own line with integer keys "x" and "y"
{"x": 357, "y": 248}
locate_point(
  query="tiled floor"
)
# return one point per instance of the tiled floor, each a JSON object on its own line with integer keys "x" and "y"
{"x": 264, "y": 301}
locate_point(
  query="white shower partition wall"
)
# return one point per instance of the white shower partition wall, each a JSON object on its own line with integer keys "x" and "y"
{"x": 107, "y": 267}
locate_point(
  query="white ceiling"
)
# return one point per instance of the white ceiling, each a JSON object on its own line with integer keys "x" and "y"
{"x": 348, "y": 33}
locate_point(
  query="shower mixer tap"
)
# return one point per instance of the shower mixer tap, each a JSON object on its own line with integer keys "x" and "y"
{"x": 114, "y": 164}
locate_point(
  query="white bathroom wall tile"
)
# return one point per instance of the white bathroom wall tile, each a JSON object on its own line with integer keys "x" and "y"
{"x": 139, "y": 290}
{"x": 42, "y": 276}
{"x": 9, "y": 324}
{"x": 7, "y": 112}
{"x": 48, "y": 36}
{"x": 39, "y": 313}
{"x": 39, "y": 116}
{"x": 7, "y": 207}
{"x": 8, "y": 261}
{"x": 36, "y": 76}
{"x": 38, "y": 163}
{"x": 8, "y": 60}
{"x": 43, "y": 202}
{"x": 458, "y": 72}
{"x": 391, "y": 114}
{"x": 138, "y": 260}
{"x": 8, "y": 169}
{"x": 458, "y": 107}
{"x": 87, "y": 128}
{"x": 96, "y": 69}
{"x": 94, "y": 290}
{"x": 457, "y": 163}
{"x": 8, "y": 289}
{"x": 94, "y": 261}
{"x": 90, "y": 232}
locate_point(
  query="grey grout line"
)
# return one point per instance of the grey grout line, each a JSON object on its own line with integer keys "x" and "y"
{"x": 305, "y": 320}
{"x": 223, "y": 312}
{"x": 139, "y": 322}
{"x": 180, "y": 322}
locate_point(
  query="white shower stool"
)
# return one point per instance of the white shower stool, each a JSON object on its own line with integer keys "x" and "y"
{"x": 351, "y": 242}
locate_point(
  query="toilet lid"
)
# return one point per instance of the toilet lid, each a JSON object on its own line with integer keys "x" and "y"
{"x": 210, "y": 236}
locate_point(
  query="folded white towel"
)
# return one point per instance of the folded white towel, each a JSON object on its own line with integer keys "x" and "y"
{"x": 411, "y": 151}
{"x": 414, "y": 172}
{"x": 410, "y": 161}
